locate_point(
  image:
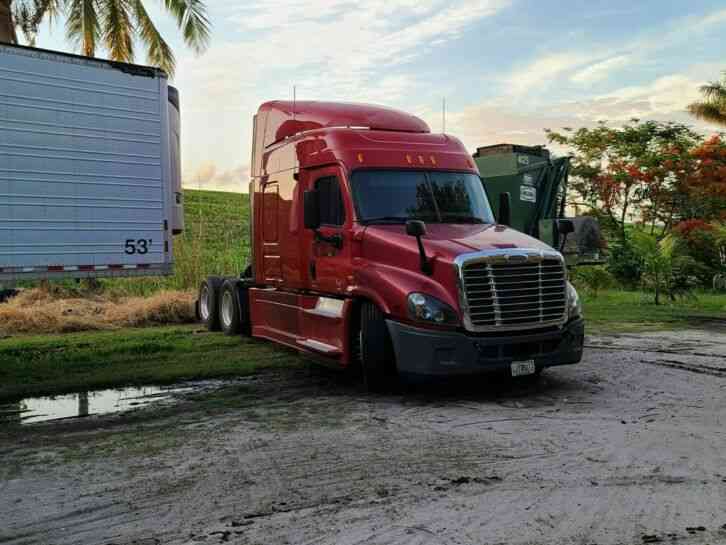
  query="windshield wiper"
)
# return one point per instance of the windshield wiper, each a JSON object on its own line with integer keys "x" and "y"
{"x": 385, "y": 219}
{"x": 461, "y": 219}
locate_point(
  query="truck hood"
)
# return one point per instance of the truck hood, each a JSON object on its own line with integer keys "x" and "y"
{"x": 392, "y": 266}
{"x": 445, "y": 242}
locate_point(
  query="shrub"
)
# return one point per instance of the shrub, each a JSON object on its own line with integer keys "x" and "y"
{"x": 592, "y": 279}
{"x": 667, "y": 267}
{"x": 625, "y": 262}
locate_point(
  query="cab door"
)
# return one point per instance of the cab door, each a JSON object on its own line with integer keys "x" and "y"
{"x": 330, "y": 266}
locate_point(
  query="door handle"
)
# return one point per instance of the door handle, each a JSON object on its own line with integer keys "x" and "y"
{"x": 336, "y": 240}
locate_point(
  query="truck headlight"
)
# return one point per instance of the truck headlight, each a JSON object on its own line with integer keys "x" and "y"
{"x": 574, "y": 305}
{"x": 424, "y": 308}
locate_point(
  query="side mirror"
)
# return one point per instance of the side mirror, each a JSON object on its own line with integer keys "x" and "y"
{"x": 415, "y": 228}
{"x": 311, "y": 210}
{"x": 505, "y": 209}
{"x": 565, "y": 226}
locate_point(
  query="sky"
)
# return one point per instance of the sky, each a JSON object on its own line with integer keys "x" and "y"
{"x": 507, "y": 69}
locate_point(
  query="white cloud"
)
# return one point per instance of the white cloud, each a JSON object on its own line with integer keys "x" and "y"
{"x": 339, "y": 47}
{"x": 591, "y": 65}
{"x": 342, "y": 50}
{"x": 208, "y": 177}
{"x": 538, "y": 74}
{"x": 600, "y": 70}
{"x": 664, "y": 99}
{"x": 328, "y": 49}
{"x": 664, "y": 96}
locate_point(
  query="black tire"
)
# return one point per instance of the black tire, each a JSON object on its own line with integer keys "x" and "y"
{"x": 209, "y": 302}
{"x": 229, "y": 309}
{"x": 377, "y": 360}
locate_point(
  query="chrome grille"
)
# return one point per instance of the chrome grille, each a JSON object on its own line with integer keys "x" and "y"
{"x": 512, "y": 291}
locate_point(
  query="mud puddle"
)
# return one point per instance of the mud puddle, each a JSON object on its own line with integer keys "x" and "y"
{"x": 33, "y": 410}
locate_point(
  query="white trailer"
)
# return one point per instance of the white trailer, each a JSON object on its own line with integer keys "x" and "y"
{"x": 89, "y": 167}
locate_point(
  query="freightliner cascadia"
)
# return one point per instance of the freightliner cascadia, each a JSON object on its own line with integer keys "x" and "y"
{"x": 374, "y": 247}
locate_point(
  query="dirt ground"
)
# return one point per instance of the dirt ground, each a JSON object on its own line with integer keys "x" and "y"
{"x": 628, "y": 447}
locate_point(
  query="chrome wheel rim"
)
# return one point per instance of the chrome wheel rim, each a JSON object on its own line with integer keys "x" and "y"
{"x": 204, "y": 303}
{"x": 227, "y": 309}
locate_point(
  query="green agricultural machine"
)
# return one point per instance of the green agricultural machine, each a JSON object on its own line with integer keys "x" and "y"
{"x": 537, "y": 185}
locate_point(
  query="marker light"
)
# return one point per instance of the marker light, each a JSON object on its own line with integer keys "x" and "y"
{"x": 360, "y": 157}
{"x": 408, "y": 158}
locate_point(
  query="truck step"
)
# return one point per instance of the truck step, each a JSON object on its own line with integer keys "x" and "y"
{"x": 317, "y": 346}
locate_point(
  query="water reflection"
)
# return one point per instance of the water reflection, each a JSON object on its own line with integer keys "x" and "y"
{"x": 42, "y": 409}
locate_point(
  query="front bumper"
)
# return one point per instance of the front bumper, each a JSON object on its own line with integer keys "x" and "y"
{"x": 441, "y": 353}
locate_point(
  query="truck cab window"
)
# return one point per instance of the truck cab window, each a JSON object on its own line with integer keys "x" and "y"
{"x": 332, "y": 211}
{"x": 394, "y": 196}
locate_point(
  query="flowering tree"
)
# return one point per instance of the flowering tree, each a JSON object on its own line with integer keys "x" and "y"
{"x": 706, "y": 182}
{"x": 640, "y": 169}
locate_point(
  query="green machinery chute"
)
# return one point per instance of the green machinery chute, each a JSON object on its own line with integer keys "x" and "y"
{"x": 537, "y": 184}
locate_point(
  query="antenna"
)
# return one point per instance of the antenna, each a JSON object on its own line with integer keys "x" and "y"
{"x": 443, "y": 115}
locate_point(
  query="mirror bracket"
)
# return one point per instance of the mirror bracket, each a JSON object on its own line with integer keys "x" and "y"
{"x": 564, "y": 228}
{"x": 417, "y": 228}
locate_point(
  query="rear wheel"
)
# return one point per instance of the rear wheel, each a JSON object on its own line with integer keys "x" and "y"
{"x": 229, "y": 309}
{"x": 377, "y": 360}
{"x": 209, "y": 302}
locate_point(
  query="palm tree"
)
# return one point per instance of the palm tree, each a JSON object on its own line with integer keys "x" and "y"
{"x": 713, "y": 106}
{"x": 7, "y": 28}
{"x": 114, "y": 25}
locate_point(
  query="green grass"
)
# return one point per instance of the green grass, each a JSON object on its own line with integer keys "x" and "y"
{"x": 55, "y": 364}
{"x": 614, "y": 311}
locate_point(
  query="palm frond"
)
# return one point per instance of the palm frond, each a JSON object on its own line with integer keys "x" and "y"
{"x": 22, "y": 17}
{"x": 158, "y": 51}
{"x": 30, "y": 14}
{"x": 708, "y": 111}
{"x": 118, "y": 29}
{"x": 48, "y": 9}
{"x": 715, "y": 91}
{"x": 82, "y": 26}
{"x": 192, "y": 20}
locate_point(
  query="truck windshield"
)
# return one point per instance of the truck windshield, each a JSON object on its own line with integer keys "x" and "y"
{"x": 394, "y": 196}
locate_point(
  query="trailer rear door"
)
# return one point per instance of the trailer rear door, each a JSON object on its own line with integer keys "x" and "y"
{"x": 84, "y": 167}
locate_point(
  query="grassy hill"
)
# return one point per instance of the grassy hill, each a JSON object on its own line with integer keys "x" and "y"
{"x": 215, "y": 241}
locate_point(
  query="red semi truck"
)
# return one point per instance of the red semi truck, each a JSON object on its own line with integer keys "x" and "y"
{"x": 374, "y": 246}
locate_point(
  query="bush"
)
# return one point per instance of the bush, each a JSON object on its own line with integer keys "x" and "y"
{"x": 625, "y": 263}
{"x": 592, "y": 279}
{"x": 667, "y": 267}
{"x": 705, "y": 243}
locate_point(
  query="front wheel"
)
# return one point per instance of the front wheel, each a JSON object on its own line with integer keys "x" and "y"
{"x": 376, "y": 351}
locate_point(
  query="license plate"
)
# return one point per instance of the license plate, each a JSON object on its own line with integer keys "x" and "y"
{"x": 521, "y": 368}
